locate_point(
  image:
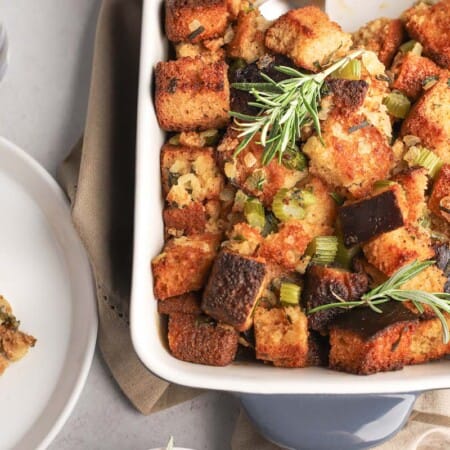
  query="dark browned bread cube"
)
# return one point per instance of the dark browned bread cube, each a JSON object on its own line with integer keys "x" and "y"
{"x": 186, "y": 304}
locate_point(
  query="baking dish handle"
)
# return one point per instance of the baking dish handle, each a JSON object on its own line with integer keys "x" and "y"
{"x": 328, "y": 422}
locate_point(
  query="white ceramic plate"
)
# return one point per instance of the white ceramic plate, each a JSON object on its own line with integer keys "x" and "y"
{"x": 45, "y": 275}
{"x": 147, "y": 334}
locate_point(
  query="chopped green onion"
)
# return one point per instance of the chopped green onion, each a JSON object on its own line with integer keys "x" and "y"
{"x": 285, "y": 207}
{"x": 351, "y": 71}
{"x": 397, "y": 104}
{"x": 337, "y": 198}
{"x": 294, "y": 160}
{"x": 254, "y": 213}
{"x": 175, "y": 140}
{"x": 290, "y": 293}
{"x": 421, "y": 156}
{"x": 413, "y": 47}
{"x": 323, "y": 249}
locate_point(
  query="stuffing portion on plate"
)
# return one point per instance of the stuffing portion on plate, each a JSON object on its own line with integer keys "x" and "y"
{"x": 307, "y": 192}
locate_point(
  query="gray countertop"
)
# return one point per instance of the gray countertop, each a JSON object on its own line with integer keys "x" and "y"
{"x": 43, "y": 102}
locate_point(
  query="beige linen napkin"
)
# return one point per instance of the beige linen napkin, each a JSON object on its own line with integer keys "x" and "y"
{"x": 99, "y": 179}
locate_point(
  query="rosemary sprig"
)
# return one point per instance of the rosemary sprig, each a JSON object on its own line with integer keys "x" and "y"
{"x": 390, "y": 290}
{"x": 285, "y": 108}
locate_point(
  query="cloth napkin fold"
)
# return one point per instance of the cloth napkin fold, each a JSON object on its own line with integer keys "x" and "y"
{"x": 98, "y": 177}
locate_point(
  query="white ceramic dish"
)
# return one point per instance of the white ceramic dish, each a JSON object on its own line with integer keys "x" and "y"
{"x": 46, "y": 276}
{"x": 148, "y": 338}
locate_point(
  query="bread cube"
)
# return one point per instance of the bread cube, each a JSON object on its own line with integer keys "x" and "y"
{"x": 355, "y": 154}
{"x": 248, "y": 40}
{"x": 234, "y": 286}
{"x": 429, "y": 119}
{"x": 393, "y": 250}
{"x": 347, "y": 94}
{"x": 429, "y": 24}
{"x": 184, "y": 265}
{"x": 192, "y": 94}
{"x": 195, "y": 21}
{"x": 411, "y": 73}
{"x": 308, "y": 37}
{"x": 185, "y": 221}
{"x": 441, "y": 191}
{"x": 188, "y": 303}
{"x": 382, "y": 36}
{"x": 197, "y": 339}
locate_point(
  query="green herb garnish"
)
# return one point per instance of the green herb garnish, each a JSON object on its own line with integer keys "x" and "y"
{"x": 359, "y": 126}
{"x": 391, "y": 290}
{"x": 285, "y": 108}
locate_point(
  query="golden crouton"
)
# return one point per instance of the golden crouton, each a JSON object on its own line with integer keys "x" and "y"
{"x": 248, "y": 40}
{"x": 364, "y": 342}
{"x": 382, "y": 36}
{"x": 429, "y": 24}
{"x": 393, "y": 250}
{"x": 192, "y": 94}
{"x": 186, "y": 304}
{"x": 234, "y": 286}
{"x": 183, "y": 265}
{"x": 248, "y": 172}
{"x": 197, "y": 339}
{"x": 189, "y": 175}
{"x": 195, "y": 21}
{"x": 429, "y": 119}
{"x": 354, "y": 156}
{"x": 412, "y": 72}
{"x": 186, "y": 221}
{"x": 308, "y": 37}
{"x": 282, "y": 337}
{"x": 414, "y": 183}
{"x": 327, "y": 284}
{"x": 439, "y": 202}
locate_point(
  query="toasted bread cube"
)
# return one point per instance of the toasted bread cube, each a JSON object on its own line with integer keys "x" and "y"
{"x": 249, "y": 173}
{"x": 352, "y": 158}
{"x": 430, "y": 25}
{"x": 243, "y": 239}
{"x": 189, "y": 175}
{"x": 184, "y": 264}
{"x": 411, "y": 73}
{"x": 324, "y": 285}
{"x": 248, "y": 40}
{"x": 440, "y": 192}
{"x": 196, "y": 339}
{"x": 308, "y": 37}
{"x": 429, "y": 119}
{"x": 393, "y": 250}
{"x": 281, "y": 336}
{"x": 382, "y": 36}
{"x": 192, "y": 94}
{"x": 188, "y": 303}
{"x": 234, "y": 286}
{"x": 185, "y": 221}
{"x": 347, "y": 94}
{"x": 196, "y": 21}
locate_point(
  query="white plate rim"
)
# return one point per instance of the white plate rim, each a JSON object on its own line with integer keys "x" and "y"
{"x": 61, "y": 201}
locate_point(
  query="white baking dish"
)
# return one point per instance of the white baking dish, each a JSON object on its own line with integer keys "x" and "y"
{"x": 146, "y": 327}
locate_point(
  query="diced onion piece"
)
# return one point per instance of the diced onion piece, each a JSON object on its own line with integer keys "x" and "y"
{"x": 323, "y": 249}
{"x": 421, "y": 156}
{"x": 351, "y": 71}
{"x": 413, "y": 47}
{"x": 397, "y": 104}
{"x": 175, "y": 140}
{"x": 254, "y": 213}
{"x": 290, "y": 293}
{"x": 286, "y": 208}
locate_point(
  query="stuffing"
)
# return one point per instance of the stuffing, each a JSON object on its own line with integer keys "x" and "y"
{"x": 248, "y": 40}
{"x": 197, "y": 339}
{"x": 439, "y": 202}
{"x": 248, "y": 172}
{"x": 183, "y": 265}
{"x": 192, "y": 94}
{"x": 412, "y": 72}
{"x": 188, "y": 303}
{"x": 383, "y": 36}
{"x": 347, "y": 94}
{"x": 187, "y": 220}
{"x": 308, "y": 37}
{"x": 432, "y": 279}
{"x": 233, "y": 289}
{"x": 429, "y": 24}
{"x": 243, "y": 239}
{"x": 429, "y": 120}
{"x": 353, "y": 157}
{"x": 391, "y": 251}
{"x": 281, "y": 336}
{"x": 189, "y": 175}
{"x": 194, "y": 21}
{"x": 187, "y": 49}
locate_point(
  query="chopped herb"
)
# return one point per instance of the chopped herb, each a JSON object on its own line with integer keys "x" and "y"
{"x": 429, "y": 79}
{"x": 383, "y": 77}
{"x": 173, "y": 178}
{"x": 196, "y": 32}
{"x": 337, "y": 198}
{"x": 357, "y": 127}
{"x": 260, "y": 183}
{"x": 172, "y": 85}
{"x": 271, "y": 225}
